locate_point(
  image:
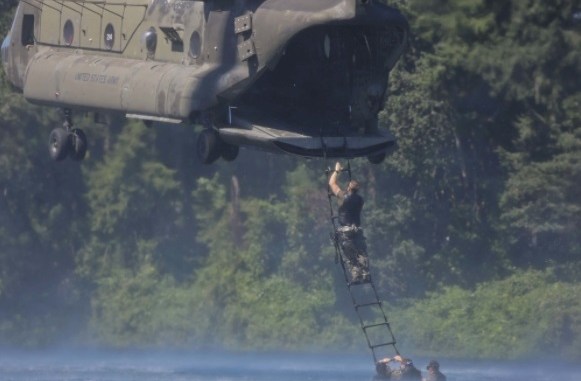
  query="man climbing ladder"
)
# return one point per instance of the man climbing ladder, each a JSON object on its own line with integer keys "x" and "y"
{"x": 350, "y": 246}
{"x": 349, "y": 233}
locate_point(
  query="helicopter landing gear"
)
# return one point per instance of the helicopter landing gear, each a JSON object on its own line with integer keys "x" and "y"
{"x": 229, "y": 151}
{"x": 78, "y": 141}
{"x": 58, "y": 144}
{"x": 67, "y": 141}
{"x": 210, "y": 147}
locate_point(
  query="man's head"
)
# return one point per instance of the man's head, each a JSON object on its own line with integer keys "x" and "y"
{"x": 433, "y": 366}
{"x": 353, "y": 186}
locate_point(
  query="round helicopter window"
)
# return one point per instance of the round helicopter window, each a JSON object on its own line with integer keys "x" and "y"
{"x": 149, "y": 40}
{"x": 109, "y": 36}
{"x": 68, "y": 32}
{"x": 195, "y": 45}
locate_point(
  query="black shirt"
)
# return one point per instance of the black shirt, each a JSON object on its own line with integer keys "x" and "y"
{"x": 350, "y": 208}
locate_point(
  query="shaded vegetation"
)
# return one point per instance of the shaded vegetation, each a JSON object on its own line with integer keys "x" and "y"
{"x": 527, "y": 314}
{"x": 472, "y": 223}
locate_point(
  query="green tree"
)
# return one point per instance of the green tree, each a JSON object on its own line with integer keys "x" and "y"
{"x": 541, "y": 203}
{"x": 263, "y": 271}
{"x": 134, "y": 203}
{"x": 41, "y": 226}
{"x": 527, "y": 314}
{"x": 434, "y": 206}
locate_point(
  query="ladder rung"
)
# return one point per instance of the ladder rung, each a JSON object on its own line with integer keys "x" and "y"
{"x": 357, "y": 283}
{"x": 374, "y": 325}
{"x": 368, "y": 304}
{"x": 382, "y": 345}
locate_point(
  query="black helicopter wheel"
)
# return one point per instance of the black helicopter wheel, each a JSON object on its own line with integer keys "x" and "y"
{"x": 229, "y": 152}
{"x": 377, "y": 158}
{"x": 78, "y": 141}
{"x": 208, "y": 146}
{"x": 59, "y": 144}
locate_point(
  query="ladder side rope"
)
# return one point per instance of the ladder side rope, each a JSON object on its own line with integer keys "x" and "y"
{"x": 339, "y": 259}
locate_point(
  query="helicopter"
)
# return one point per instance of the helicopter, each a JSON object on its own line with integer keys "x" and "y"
{"x": 300, "y": 77}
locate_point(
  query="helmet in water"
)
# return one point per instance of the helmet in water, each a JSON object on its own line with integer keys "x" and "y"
{"x": 433, "y": 364}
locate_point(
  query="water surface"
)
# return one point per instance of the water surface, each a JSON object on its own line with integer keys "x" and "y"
{"x": 171, "y": 366}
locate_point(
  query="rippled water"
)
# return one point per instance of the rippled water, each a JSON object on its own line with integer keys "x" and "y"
{"x": 149, "y": 366}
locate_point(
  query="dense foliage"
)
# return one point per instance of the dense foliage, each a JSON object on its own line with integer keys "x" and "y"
{"x": 472, "y": 223}
{"x": 530, "y": 313}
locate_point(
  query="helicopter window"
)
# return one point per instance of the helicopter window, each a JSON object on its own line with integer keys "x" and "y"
{"x": 195, "y": 45}
{"x": 68, "y": 32}
{"x": 109, "y": 36}
{"x": 149, "y": 40}
{"x": 28, "y": 30}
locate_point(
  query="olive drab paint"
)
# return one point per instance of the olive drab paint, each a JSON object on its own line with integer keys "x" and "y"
{"x": 303, "y": 77}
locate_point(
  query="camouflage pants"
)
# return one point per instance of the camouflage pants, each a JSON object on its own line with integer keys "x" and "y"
{"x": 354, "y": 252}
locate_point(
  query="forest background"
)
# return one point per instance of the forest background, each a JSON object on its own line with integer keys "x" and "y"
{"x": 473, "y": 223}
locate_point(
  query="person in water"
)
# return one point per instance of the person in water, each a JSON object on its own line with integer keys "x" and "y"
{"x": 382, "y": 370}
{"x": 406, "y": 370}
{"x": 350, "y": 233}
{"x": 434, "y": 373}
